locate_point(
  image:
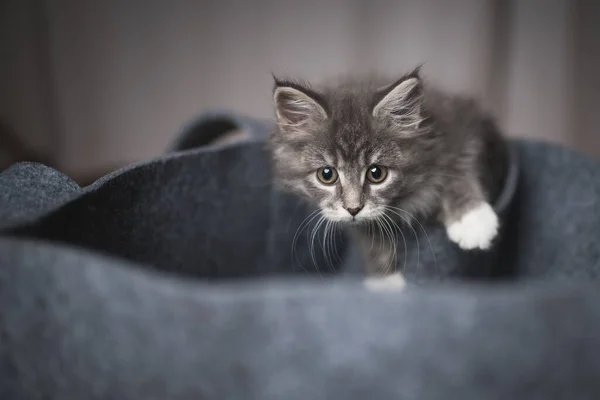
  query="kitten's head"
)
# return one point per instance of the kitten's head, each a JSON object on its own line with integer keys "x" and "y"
{"x": 356, "y": 148}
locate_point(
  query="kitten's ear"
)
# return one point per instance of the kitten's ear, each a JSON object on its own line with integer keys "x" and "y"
{"x": 401, "y": 102}
{"x": 296, "y": 107}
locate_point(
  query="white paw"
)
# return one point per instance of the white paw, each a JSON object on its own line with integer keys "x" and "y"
{"x": 475, "y": 229}
{"x": 387, "y": 282}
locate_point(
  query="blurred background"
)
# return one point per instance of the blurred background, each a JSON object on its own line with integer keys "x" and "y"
{"x": 88, "y": 86}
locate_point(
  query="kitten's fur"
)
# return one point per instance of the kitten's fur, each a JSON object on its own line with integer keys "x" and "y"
{"x": 444, "y": 155}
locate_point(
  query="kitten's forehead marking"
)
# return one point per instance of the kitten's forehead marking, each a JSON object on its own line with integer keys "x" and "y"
{"x": 374, "y": 157}
{"x": 329, "y": 160}
{"x": 343, "y": 147}
{"x": 341, "y": 162}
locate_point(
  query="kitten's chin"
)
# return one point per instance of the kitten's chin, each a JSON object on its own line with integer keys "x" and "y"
{"x": 345, "y": 218}
{"x": 356, "y": 221}
{"x": 348, "y": 221}
{"x": 337, "y": 216}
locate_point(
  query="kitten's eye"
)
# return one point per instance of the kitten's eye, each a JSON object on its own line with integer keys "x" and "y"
{"x": 327, "y": 175}
{"x": 376, "y": 174}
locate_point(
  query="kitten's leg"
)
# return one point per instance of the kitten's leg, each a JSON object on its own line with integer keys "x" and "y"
{"x": 379, "y": 260}
{"x": 469, "y": 219}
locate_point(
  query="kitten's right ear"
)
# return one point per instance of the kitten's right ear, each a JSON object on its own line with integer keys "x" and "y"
{"x": 295, "y": 106}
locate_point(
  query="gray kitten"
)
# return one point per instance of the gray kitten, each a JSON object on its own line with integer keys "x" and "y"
{"x": 364, "y": 150}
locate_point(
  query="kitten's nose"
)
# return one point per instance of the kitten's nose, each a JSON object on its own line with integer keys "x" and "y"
{"x": 354, "y": 211}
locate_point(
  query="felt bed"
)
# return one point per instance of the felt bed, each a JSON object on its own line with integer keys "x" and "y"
{"x": 180, "y": 277}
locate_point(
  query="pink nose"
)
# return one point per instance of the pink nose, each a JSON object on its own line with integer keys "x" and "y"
{"x": 354, "y": 211}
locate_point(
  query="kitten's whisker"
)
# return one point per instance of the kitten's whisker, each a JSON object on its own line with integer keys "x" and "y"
{"x": 403, "y": 240}
{"x": 389, "y": 257}
{"x": 303, "y": 225}
{"x": 385, "y": 237}
{"x": 426, "y": 237}
{"x": 315, "y": 216}
{"x": 328, "y": 231}
{"x": 424, "y": 232}
{"x": 382, "y": 239}
{"x": 314, "y": 234}
{"x": 391, "y": 250}
{"x": 391, "y": 209}
{"x": 314, "y": 231}
{"x": 395, "y": 244}
{"x": 371, "y": 233}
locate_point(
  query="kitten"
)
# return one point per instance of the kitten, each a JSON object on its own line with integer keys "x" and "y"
{"x": 361, "y": 148}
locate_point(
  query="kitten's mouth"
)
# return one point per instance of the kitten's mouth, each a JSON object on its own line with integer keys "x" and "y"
{"x": 347, "y": 218}
{"x": 358, "y": 221}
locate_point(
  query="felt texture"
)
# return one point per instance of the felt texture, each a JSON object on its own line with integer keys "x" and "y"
{"x": 182, "y": 277}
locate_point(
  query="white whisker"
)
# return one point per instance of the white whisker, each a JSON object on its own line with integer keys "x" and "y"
{"x": 314, "y": 234}
{"x": 388, "y": 237}
{"x": 303, "y": 225}
{"x": 393, "y": 240}
{"x": 385, "y": 237}
{"x": 327, "y": 245}
{"x": 422, "y": 228}
{"x": 403, "y": 240}
{"x": 391, "y": 209}
{"x": 371, "y": 232}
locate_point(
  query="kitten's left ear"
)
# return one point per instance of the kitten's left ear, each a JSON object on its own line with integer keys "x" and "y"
{"x": 401, "y": 102}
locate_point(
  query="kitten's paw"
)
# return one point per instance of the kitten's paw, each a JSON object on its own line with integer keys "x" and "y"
{"x": 385, "y": 283}
{"x": 476, "y": 229}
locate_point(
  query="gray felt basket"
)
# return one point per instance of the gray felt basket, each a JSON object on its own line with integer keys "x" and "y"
{"x": 175, "y": 278}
